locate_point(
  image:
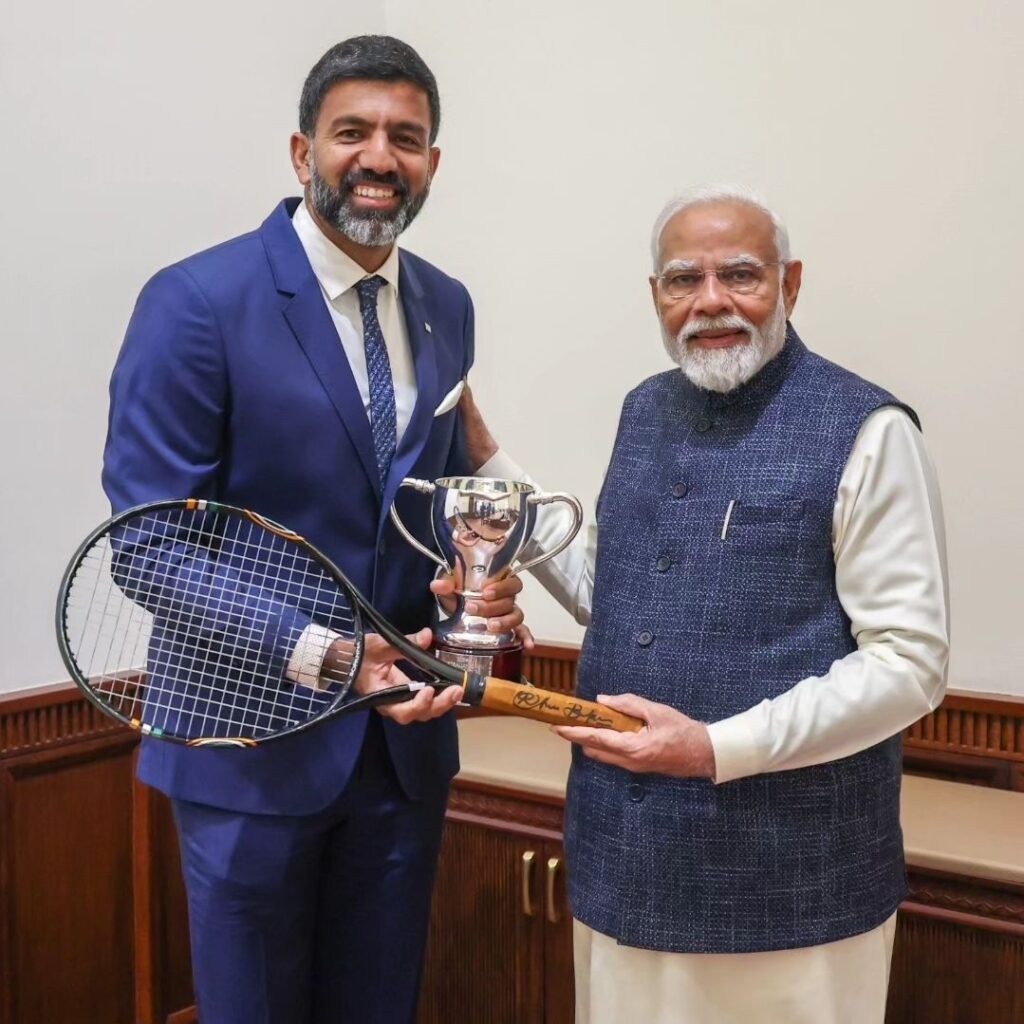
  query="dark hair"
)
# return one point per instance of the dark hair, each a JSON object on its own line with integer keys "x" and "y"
{"x": 373, "y": 58}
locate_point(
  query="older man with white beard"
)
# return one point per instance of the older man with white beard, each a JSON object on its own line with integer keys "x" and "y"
{"x": 765, "y": 588}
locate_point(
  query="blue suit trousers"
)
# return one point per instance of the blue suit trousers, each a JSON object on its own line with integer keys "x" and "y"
{"x": 315, "y": 919}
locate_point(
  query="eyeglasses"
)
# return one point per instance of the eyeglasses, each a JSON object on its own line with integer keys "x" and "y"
{"x": 739, "y": 278}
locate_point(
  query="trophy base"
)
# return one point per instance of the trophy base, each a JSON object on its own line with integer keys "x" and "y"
{"x": 502, "y": 663}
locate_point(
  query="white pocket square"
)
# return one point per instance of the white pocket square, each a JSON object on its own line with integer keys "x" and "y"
{"x": 451, "y": 399}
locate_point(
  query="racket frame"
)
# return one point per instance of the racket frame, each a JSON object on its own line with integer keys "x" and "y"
{"x": 330, "y": 708}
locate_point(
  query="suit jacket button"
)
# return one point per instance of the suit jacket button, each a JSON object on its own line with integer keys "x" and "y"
{"x": 679, "y": 491}
{"x": 663, "y": 564}
{"x": 703, "y": 425}
{"x": 644, "y": 638}
{"x": 636, "y": 792}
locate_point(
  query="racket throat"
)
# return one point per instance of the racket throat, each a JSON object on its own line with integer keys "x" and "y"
{"x": 474, "y": 685}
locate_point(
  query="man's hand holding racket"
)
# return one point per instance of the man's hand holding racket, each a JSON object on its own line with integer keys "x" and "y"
{"x": 379, "y": 672}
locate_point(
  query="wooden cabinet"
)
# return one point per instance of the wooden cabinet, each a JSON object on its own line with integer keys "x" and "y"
{"x": 79, "y": 863}
{"x": 500, "y": 946}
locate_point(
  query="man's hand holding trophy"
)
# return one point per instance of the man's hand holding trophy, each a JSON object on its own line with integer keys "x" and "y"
{"x": 482, "y": 527}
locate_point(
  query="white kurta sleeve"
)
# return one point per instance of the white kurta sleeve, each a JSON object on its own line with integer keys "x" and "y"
{"x": 569, "y": 576}
{"x": 889, "y": 546}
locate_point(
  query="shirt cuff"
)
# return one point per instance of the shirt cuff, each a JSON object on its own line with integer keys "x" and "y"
{"x": 308, "y": 655}
{"x": 737, "y": 751}
{"x": 501, "y": 466}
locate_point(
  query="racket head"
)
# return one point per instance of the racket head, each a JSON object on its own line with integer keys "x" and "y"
{"x": 185, "y": 619}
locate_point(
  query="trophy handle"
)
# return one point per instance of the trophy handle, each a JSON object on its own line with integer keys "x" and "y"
{"x": 424, "y": 487}
{"x": 540, "y": 498}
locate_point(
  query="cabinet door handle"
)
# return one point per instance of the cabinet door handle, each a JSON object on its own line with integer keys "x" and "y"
{"x": 553, "y": 915}
{"x": 526, "y": 869}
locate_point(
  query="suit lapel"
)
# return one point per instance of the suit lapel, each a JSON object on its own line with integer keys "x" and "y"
{"x": 314, "y": 329}
{"x": 424, "y": 354}
{"x": 311, "y": 323}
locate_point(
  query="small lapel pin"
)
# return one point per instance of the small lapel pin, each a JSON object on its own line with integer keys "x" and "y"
{"x": 427, "y": 327}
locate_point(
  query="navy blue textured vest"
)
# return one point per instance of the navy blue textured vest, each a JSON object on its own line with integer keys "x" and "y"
{"x": 712, "y": 627}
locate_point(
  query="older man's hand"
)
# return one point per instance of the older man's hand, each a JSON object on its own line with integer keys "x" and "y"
{"x": 670, "y": 744}
{"x": 497, "y": 604}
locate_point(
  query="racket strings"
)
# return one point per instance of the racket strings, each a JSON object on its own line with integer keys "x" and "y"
{"x": 188, "y": 620}
{"x": 190, "y": 663}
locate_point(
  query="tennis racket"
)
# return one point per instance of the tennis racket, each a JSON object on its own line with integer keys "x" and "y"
{"x": 196, "y": 622}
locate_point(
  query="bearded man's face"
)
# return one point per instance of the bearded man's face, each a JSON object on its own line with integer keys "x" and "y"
{"x": 722, "y": 294}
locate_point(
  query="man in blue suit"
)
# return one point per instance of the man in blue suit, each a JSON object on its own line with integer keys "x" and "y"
{"x": 303, "y": 370}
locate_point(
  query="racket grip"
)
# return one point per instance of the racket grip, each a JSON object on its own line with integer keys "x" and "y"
{"x": 545, "y": 705}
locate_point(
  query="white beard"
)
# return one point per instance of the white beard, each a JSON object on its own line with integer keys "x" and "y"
{"x": 723, "y": 369}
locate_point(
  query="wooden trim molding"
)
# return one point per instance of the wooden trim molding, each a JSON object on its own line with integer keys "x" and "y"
{"x": 974, "y": 725}
{"x": 971, "y": 737}
{"x": 49, "y": 716}
{"x": 478, "y": 803}
{"x": 968, "y": 901}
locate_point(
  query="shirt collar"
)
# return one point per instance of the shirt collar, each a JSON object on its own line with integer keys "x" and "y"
{"x": 336, "y": 271}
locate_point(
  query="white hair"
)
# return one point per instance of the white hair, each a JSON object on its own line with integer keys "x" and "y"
{"x": 704, "y": 195}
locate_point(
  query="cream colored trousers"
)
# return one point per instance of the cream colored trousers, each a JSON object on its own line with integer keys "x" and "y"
{"x": 842, "y": 982}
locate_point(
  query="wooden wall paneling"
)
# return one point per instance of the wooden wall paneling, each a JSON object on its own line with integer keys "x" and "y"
{"x": 552, "y": 666}
{"x": 945, "y": 972}
{"x": 67, "y": 878}
{"x": 7, "y": 882}
{"x": 163, "y": 972}
{"x": 971, "y": 737}
{"x": 49, "y": 716}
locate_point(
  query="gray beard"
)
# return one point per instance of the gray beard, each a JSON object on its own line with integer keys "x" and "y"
{"x": 372, "y": 228}
{"x": 724, "y": 369}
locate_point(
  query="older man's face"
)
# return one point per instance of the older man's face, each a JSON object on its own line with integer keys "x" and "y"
{"x": 713, "y": 331}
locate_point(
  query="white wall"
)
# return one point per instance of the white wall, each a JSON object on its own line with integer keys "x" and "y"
{"x": 888, "y": 135}
{"x": 134, "y": 133}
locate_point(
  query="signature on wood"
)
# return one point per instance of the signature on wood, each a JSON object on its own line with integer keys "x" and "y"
{"x": 572, "y": 711}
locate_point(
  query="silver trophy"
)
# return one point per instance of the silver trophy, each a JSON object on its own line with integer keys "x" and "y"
{"x": 481, "y": 527}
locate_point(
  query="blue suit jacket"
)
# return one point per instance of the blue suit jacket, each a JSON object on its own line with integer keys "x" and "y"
{"x": 232, "y": 384}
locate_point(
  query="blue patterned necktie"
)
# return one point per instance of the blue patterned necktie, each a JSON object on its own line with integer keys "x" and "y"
{"x": 383, "y": 420}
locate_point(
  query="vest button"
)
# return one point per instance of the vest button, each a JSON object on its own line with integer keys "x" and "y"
{"x": 703, "y": 425}
{"x": 679, "y": 491}
{"x": 644, "y": 638}
{"x": 663, "y": 564}
{"x": 381, "y": 548}
{"x": 636, "y": 792}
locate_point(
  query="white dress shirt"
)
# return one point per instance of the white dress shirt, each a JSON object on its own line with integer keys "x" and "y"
{"x": 338, "y": 275}
{"x": 889, "y": 546}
